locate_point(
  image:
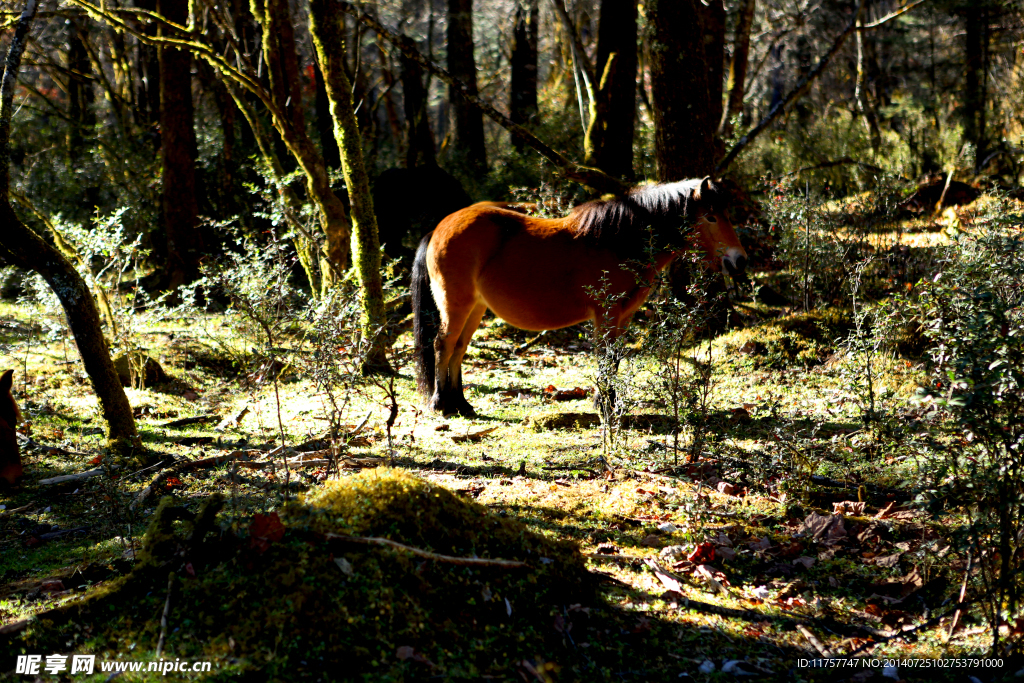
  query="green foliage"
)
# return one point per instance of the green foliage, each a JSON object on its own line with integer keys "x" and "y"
{"x": 972, "y": 316}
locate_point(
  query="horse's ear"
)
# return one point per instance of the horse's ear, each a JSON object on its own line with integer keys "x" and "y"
{"x": 705, "y": 186}
{"x": 7, "y": 381}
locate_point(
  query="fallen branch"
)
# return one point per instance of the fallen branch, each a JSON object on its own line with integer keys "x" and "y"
{"x": 474, "y": 436}
{"x": 71, "y": 477}
{"x": 601, "y": 557}
{"x": 890, "y": 16}
{"x": 185, "y": 421}
{"x": 450, "y": 559}
{"x": 524, "y": 347}
{"x": 185, "y": 467}
{"x": 813, "y": 640}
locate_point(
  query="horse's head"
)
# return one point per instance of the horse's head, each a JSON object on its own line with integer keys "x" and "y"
{"x": 714, "y": 233}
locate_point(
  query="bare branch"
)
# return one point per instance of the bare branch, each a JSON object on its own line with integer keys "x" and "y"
{"x": 450, "y": 559}
{"x": 801, "y": 88}
{"x": 893, "y": 15}
{"x": 592, "y": 177}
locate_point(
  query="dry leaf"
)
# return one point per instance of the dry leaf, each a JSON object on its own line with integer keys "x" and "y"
{"x": 888, "y": 561}
{"x": 669, "y": 581}
{"x": 826, "y": 529}
{"x": 805, "y": 562}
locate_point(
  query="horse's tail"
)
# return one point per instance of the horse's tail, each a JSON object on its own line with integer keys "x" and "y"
{"x": 425, "y": 320}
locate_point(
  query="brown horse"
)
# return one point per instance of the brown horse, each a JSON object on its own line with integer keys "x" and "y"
{"x": 544, "y": 274}
{"x": 10, "y": 456}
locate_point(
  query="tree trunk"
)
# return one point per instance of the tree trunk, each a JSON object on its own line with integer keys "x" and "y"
{"x": 22, "y": 247}
{"x": 469, "y": 121}
{"x": 80, "y": 95}
{"x": 279, "y": 52}
{"x": 324, "y": 126}
{"x": 609, "y": 140}
{"x": 419, "y": 149}
{"x": 522, "y": 105}
{"x": 738, "y": 68}
{"x": 307, "y": 247}
{"x": 178, "y": 157}
{"x": 328, "y": 34}
{"x": 683, "y": 128}
{"x": 862, "y": 100}
{"x": 713, "y": 23}
{"x": 974, "y": 95}
{"x": 282, "y": 59}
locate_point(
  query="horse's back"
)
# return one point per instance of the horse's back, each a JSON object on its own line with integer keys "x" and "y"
{"x": 530, "y": 271}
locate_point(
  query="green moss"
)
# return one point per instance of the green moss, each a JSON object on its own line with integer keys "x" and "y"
{"x": 802, "y": 339}
{"x": 296, "y": 604}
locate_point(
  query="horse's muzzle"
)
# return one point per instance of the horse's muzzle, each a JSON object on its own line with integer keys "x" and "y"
{"x": 735, "y": 262}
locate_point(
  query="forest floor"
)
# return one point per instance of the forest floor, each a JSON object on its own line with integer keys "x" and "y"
{"x": 793, "y": 533}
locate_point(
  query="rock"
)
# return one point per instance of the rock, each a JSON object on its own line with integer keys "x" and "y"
{"x": 152, "y": 373}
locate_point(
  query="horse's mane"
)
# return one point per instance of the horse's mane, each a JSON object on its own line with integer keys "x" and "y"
{"x": 622, "y": 221}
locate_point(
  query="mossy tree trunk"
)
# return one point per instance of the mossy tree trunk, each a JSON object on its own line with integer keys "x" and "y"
{"x": 281, "y": 57}
{"x": 683, "y": 129}
{"x": 735, "y": 85}
{"x": 329, "y": 40}
{"x": 21, "y": 246}
{"x": 609, "y": 139}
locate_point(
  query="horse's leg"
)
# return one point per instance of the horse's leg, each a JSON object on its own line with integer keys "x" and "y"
{"x": 455, "y": 364}
{"x": 447, "y": 398}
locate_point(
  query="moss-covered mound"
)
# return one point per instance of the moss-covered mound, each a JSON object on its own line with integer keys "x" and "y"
{"x": 287, "y": 600}
{"x": 805, "y": 339}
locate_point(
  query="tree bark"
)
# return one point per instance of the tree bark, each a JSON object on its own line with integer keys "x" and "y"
{"x": 22, "y": 247}
{"x": 522, "y": 103}
{"x": 609, "y": 140}
{"x": 419, "y": 147}
{"x": 327, "y": 30}
{"x": 469, "y": 121}
{"x": 324, "y": 125}
{"x": 178, "y": 157}
{"x": 713, "y": 23}
{"x": 683, "y": 128}
{"x": 863, "y": 102}
{"x": 974, "y": 95}
{"x": 280, "y": 55}
{"x": 79, "y": 89}
{"x": 735, "y": 86}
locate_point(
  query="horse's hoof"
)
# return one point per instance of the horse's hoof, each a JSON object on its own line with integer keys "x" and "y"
{"x": 436, "y": 405}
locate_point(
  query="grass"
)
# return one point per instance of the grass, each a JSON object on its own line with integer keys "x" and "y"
{"x": 785, "y": 438}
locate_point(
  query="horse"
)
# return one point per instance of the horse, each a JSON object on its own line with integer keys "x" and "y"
{"x": 10, "y": 457}
{"x": 598, "y": 263}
